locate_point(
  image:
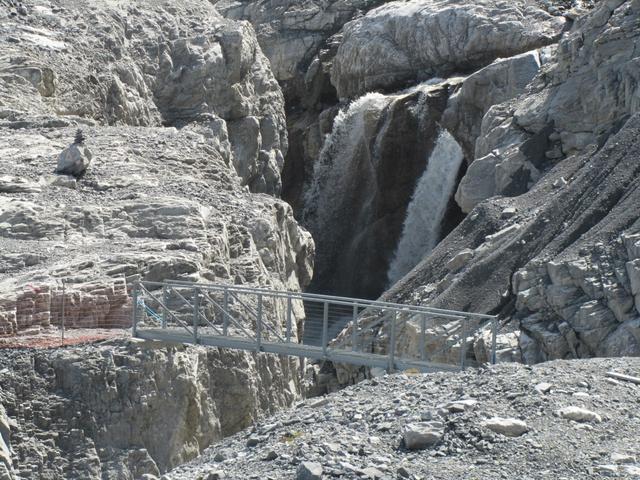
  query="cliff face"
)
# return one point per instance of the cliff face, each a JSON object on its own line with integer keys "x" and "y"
{"x": 561, "y": 258}
{"x": 126, "y": 409}
{"x": 184, "y": 127}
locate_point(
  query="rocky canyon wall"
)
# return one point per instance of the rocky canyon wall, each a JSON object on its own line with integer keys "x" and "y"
{"x": 185, "y": 126}
{"x": 556, "y": 254}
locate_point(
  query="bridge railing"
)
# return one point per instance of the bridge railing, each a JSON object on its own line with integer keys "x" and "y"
{"x": 362, "y": 332}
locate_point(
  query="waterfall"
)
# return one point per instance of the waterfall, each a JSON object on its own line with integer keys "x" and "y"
{"x": 331, "y": 173}
{"x": 428, "y": 206}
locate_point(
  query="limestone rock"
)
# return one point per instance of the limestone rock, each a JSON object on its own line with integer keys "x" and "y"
{"x": 553, "y": 119}
{"x": 402, "y": 42}
{"x": 422, "y": 435}
{"x": 503, "y": 80}
{"x": 74, "y": 160}
{"x": 205, "y": 68}
{"x": 309, "y": 471}
{"x": 579, "y": 414}
{"x": 510, "y": 427}
{"x": 5, "y": 446}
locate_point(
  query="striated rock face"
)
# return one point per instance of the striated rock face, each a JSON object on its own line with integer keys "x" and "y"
{"x": 184, "y": 119}
{"x": 581, "y": 97}
{"x": 562, "y": 264}
{"x": 147, "y": 64}
{"x": 293, "y": 33}
{"x": 136, "y": 215}
{"x": 126, "y": 409}
{"x": 411, "y": 41}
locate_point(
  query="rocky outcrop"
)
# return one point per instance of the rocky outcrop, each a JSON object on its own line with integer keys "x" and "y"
{"x": 184, "y": 119}
{"x": 126, "y": 409}
{"x": 556, "y": 117}
{"x": 136, "y": 215}
{"x": 407, "y": 42}
{"x": 561, "y": 264}
{"x": 474, "y": 424}
{"x": 293, "y": 33}
{"x": 148, "y": 64}
{"x": 494, "y": 84}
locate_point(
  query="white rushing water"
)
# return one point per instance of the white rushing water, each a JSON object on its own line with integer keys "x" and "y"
{"x": 331, "y": 173}
{"x": 428, "y": 206}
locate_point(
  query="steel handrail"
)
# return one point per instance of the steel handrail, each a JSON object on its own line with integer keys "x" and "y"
{"x": 444, "y": 313}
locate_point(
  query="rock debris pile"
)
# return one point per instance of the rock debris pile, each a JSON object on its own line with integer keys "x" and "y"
{"x": 558, "y": 420}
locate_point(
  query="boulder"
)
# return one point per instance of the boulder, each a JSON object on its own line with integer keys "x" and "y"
{"x": 579, "y": 414}
{"x": 402, "y": 42}
{"x": 309, "y": 471}
{"x": 74, "y": 160}
{"x": 418, "y": 436}
{"x": 509, "y": 427}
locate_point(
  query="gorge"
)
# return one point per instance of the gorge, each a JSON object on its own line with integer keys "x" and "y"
{"x": 477, "y": 156}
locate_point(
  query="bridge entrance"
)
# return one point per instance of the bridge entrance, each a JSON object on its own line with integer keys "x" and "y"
{"x": 319, "y": 327}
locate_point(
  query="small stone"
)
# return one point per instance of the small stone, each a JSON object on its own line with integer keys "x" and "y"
{"x": 621, "y": 458}
{"x": 419, "y": 436}
{"x": 510, "y": 427}
{"x": 309, "y": 471}
{"x": 460, "y": 260}
{"x": 543, "y": 388}
{"x": 213, "y": 475}
{"x": 253, "y": 441}
{"x": 509, "y": 212}
{"x": 371, "y": 473}
{"x": 219, "y": 457}
{"x": 579, "y": 414}
{"x": 271, "y": 455}
{"x": 403, "y": 472}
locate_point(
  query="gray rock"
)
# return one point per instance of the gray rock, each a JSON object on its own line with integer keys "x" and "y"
{"x": 309, "y": 471}
{"x": 510, "y": 427}
{"x": 213, "y": 475}
{"x": 401, "y": 42}
{"x": 579, "y": 414}
{"x": 74, "y": 160}
{"x": 419, "y": 436}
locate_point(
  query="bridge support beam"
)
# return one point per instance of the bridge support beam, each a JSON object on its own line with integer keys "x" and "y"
{"x": 325, "y": 328}
{"x": 392, "y": 343}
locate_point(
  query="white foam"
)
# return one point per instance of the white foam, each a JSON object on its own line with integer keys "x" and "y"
{"x": 428, "y": 206}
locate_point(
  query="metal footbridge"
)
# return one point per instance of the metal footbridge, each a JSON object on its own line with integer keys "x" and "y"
{"x": 341, "y": 330}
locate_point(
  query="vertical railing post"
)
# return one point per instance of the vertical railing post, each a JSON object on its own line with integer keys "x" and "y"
{"x": 165, "y": 301}
{"x": 225, "y": 313}
{"x": 494, "y": 340}
{"x": 289, "y": 315}
{"x": 134, "y": 312}
{"x": 196, "y": 313}
{"x": 354, "y": 329}
{"x": 463, "y": 344}
{"x": 392, "y": 344}
{"x": 325, "y": 328}
{"x": 259, "y": 324}
{"x": 64, "y": 295}
{"x": 423, "y": 339}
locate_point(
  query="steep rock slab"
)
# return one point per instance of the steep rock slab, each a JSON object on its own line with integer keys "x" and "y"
{"x": 135, "y": 215}
{"x": 586, "y": 93}
{"x": 292, "y": 33}
{"x": 569, "y": 242}
{"x": 405, "y": 42}
{"x": 146, "y": 64}
{"x": 133, "y": 408}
